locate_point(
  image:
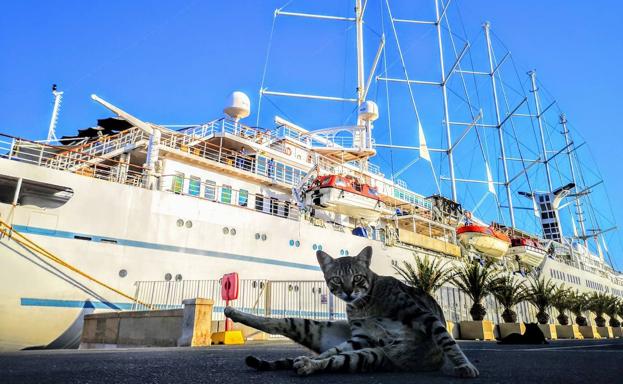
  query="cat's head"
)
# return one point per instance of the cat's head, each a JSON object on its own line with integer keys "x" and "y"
{"x": 348, "y": 278}
{"x": 533, "y": 330}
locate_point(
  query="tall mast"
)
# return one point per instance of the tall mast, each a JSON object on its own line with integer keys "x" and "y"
{"x": 537, "y": 103}
{"x": 58, "y": 97}
{"x": 360, "y": 68}
{"x": 444, "y": 92}
{"x": 498, "y": 118}
{"x": 578, "y": 204}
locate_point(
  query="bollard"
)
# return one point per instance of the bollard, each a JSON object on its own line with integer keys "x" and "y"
{"x": 196, "y": 323}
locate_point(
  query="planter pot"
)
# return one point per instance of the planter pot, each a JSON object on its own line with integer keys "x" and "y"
{"x": 506, "y": 329}
{"x": 589, "y": 332}
{"x": 568, "y": 332}
{"x": 452, "y": 329}
{"x": 549, "y": 330}
{"x": 477, "y": 330}
{"x": 605, "y": 332}
{"x": 617, "y": 332}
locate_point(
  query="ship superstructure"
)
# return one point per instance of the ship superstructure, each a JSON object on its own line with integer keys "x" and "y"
{"x": 130, "y": 200}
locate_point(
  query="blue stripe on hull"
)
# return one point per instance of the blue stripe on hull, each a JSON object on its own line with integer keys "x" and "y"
{"x": 165, "y": 247}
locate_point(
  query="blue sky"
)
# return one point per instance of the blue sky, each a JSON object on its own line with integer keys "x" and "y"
{"x": 175, "y": 62}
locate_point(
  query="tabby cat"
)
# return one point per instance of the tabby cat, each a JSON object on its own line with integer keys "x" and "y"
{"x": 391, "y": 327}
{"x": 532, "y": 335}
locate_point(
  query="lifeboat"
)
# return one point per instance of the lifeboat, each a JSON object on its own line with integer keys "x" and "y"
{"x": 485, "y": 240}
{"x": 346, "y": 195}
{"x": 527, "y": 250}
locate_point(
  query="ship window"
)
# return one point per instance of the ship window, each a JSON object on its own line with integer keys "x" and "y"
{"x": 178, "y": 183}
{"x": 194, "y": 186}
{"x": 243, "y": 198}
{"x": 289, "y": 175}
{"x": 226, "y": 194}
{"x": 274, "y": 206}
{"x": 210, "y": 190}
{"x": 259, "y": 202}
{"x": 34, "y": 193}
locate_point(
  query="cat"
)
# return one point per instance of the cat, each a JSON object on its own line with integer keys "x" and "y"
{"x": 391, "y": 327}
{"x": 532, "y": 335}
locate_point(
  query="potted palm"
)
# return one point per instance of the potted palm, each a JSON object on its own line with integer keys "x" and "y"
{"x": 598, "y": 304}
{"x": 612, "y": 311}
{"x": 619, "y": 331}
{"x": 509, "y": 292}
{"x": 475, "y": 280}
{"x": 561, "y": 300}
{"x": 579, "y": 305}
{"x": 426, "y": 275}
{"x": 540, "y": 294}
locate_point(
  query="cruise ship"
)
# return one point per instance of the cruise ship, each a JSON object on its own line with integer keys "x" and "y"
{"x": 86, "y": 217}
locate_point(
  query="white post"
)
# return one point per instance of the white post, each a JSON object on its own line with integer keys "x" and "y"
{"x": 446, "y": 114}
{"x": 535, "y": 94}
{"x": 58, "y": 97}
{"x": 578, "y": 203}
{"x": 360, "y": 68}
{"x": 509, "y": 194}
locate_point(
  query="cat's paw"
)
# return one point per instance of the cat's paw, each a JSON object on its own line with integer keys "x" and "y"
{"x": 467, "y": 370}
{"x": 304, "y": 365}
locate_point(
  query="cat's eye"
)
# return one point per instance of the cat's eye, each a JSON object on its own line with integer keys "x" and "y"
{"x": 358, "y": 278}
{"x": 335, "y": 280}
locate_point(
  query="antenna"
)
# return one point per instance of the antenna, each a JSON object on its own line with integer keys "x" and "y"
{"x": 58, "y": 98}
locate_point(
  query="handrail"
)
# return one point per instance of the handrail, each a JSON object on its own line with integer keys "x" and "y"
{"x": 8, "y": 230}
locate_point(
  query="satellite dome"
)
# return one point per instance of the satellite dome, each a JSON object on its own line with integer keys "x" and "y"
{"x": 368, "y": 111}
{"x": 238, "y": 106}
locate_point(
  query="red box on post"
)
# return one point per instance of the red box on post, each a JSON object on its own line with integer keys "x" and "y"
{"x": 229, "y": 286}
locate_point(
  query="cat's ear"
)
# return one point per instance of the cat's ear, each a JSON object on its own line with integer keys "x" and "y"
{"x": 365, "y": 256}
{"x": 323, "y": 259}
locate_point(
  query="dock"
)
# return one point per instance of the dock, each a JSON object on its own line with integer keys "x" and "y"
{"x": 564, "y": 361}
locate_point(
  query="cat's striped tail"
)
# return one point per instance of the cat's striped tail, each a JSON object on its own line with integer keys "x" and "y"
{"x": 265, "y": 365}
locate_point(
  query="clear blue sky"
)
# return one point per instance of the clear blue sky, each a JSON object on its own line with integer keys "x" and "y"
{"x": 175, "y": 62}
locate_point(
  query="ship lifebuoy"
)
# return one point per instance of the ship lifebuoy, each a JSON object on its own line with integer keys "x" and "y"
{"x": 288, "y": 151}
{"x": 309, "y": 158}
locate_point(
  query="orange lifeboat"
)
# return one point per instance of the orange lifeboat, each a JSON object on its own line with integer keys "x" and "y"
{"x": 485, "y": 240}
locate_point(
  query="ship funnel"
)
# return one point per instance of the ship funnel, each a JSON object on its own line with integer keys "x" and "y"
{"x": 238, "y": 106}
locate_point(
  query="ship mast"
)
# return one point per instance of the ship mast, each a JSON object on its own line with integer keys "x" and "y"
{"x": 58, "y": 98}
{"x": 360, "y": 64}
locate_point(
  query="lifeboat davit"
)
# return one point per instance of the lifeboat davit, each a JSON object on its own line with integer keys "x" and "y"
{"x": 346, "y": 195}
{"x": 485, "y": 240}
{"x": 527, "y": 250}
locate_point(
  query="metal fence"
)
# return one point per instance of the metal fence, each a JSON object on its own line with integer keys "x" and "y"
{"x": 305, "y": 299}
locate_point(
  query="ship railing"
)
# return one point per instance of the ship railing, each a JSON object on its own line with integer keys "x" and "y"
{"x": 40, "y": 154}
{"x": 207, "y": 189}
{"x": 309, "y": 299}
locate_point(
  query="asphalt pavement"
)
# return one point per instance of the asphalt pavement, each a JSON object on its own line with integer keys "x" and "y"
{"x": 588, "y": 361}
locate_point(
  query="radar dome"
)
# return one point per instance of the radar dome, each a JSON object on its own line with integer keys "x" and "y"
{"x": 238, "y": 106}
{"x": 368, "y": 111}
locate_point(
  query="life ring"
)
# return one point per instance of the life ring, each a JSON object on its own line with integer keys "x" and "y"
{"x": 288, "y": 151}
{"x": 309, "y": 158}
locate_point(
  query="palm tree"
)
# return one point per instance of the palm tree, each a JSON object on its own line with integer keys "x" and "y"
{"x": 475, "y": 281}
{"x": 509, "y": 292}
{"x": 427, "y": 275}
{"x": 540, "y": 295}
{"x": 579, "y": 304}
{"x": 561, "y": 301}
{"x": 598, "y": 303}
{"x": 612, "y": 310}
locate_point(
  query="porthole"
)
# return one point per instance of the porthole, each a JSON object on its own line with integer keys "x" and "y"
{"x": 296, "y": 288}
{"x": 232, "y": 231}
{"x": 189, "y": 224}
{"x": 290, "y": 288}
{"x": 261, "y": 285}
{"x": 168, "y": 277}
{"x": 264, "y": 237}
{"x": 180, "y": 222}
{"x": 178, "y": 277}
{"x": 254, "y": 284}
{"x": 319, "y": 247}
{"x": 291, "y": 243}
{"x": 346, "y": 252}
{"x": 257, "y": 236}
{"x": 314, "y": 247}
{"x": 341, "y": 252}
{"x": 225, "y": 230}
{"x": 297, "y": 243}
{"x": 123, "y": 273}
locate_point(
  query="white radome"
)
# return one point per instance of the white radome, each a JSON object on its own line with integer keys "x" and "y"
{"x": 368, "y": 111}
{"x": 238, "y": 105}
